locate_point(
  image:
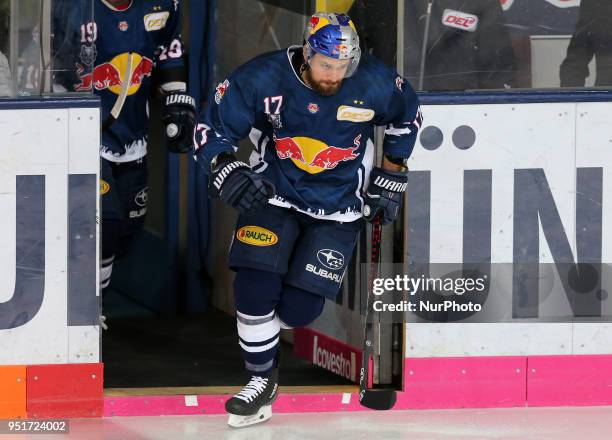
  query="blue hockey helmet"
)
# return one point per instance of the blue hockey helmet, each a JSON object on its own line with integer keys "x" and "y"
{"x": 334, "y": 36}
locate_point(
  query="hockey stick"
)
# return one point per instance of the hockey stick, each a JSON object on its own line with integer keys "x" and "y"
{"x": 125, "y": 87}
{"x": 373, "y": 398}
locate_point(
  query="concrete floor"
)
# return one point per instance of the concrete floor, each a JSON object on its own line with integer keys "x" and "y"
{"x": 586, "y": 423}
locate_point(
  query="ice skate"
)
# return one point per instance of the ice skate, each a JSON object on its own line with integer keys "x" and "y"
{"x": 253, "y": 404}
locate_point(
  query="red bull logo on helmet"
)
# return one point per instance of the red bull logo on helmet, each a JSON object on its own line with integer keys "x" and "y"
{"x": 314, "y": 156}
{"x": 110, "y": 75}
{"x": 314, "y": 23}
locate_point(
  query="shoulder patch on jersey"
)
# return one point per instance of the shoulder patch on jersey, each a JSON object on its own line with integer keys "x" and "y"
{"x": 460, "y": 20}
{"x": 220, "y": 90}
{"x": 156, "y": 21}
{"x": 398, "y": 82}
{"x": 354, "y": 114}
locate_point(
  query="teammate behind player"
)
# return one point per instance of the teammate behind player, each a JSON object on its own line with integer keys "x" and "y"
{"x": 115, "y": 54}
{"x": 310, "y": 111}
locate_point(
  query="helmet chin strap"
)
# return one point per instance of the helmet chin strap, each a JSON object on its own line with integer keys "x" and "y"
{"x": 309, "y": 52}
{"x": 303, "y": 69}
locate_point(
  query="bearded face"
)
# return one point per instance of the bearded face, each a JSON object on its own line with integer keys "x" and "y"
{"x": 325, "y": 74}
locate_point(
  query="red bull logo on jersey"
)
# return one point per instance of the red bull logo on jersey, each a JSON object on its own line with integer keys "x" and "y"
{"x": 313, "y": 108}
{"x": 314, "y": 156}
{"x": 111, "y": 75}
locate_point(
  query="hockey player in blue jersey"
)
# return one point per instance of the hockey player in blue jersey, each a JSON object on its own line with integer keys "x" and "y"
{"x": 115, "y": 52}
{"x": 310, "y": 112}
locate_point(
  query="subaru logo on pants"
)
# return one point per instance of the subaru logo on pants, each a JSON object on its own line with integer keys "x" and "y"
{"x": 331, "y": 259}
{"x": 142, "y": 197}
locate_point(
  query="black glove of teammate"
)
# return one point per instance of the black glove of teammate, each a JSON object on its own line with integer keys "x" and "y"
{"x": 384, "y": 194}
{"x": 179, "y": 121}
{"x": 233, "y": 182}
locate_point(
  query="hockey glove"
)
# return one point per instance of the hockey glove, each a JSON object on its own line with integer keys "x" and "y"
{"x": 384, "y": 194}
{"x": 179, "y": 121}
{"x": 233, "y": 182}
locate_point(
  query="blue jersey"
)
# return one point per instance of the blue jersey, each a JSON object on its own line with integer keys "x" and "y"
{"x": 317, "y": 150}
{"x": 91, "y": 53}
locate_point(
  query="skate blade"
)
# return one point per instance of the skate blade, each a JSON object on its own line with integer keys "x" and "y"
{"x": 264, "y": 413}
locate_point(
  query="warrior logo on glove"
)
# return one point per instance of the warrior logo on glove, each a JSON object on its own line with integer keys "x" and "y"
{"x": 384, "y": 194}
{"x": 179, "y": 120}
{"x": 233, "y": 182}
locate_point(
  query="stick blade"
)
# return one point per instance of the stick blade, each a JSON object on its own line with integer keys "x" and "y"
{"x": 380, "y": 400}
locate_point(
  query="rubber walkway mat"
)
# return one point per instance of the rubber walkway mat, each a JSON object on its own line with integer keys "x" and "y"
{"x": 189, "y": 351}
